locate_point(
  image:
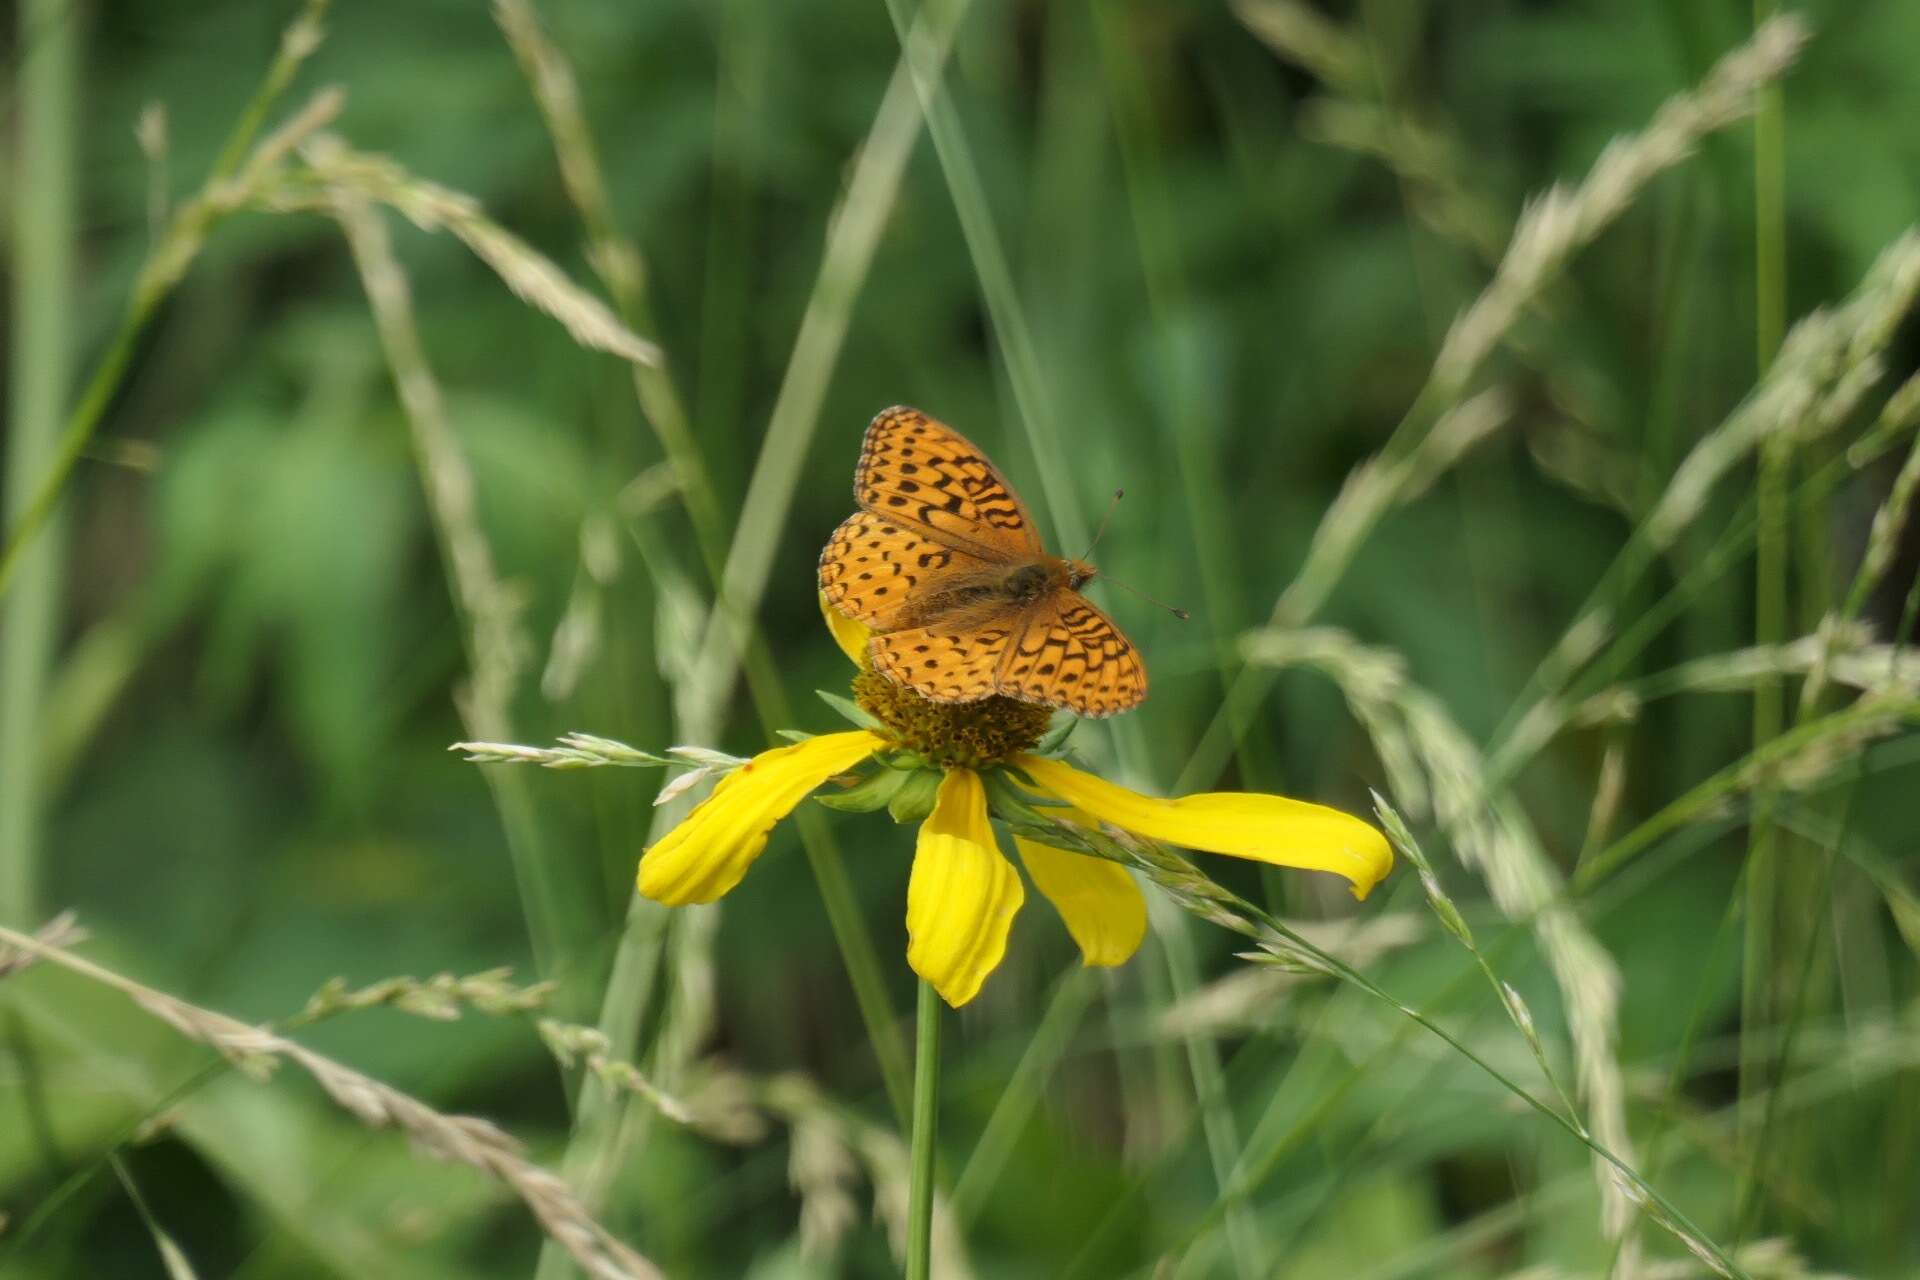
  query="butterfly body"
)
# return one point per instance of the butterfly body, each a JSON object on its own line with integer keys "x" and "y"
{"x": 980, "y": 597}
{"x": 945, "y": 565}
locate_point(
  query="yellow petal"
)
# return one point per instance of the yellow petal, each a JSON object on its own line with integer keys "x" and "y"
{"x": 963, "y": 893}
{"x": 1101, "y": 904}
{"x": 714, "y": 845}
{"x": 1287, "y": 833}
{"x": 849, "y": 633}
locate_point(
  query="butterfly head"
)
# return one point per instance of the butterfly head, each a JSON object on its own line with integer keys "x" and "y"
{"x": 1079, "y": 573}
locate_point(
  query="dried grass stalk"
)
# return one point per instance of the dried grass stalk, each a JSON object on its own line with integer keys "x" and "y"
{"x": 834, "y": 1137}
{"x": 338, "y": 170}
{"x": 1826, "y": 365}
{"x": 61, "y": 931}
{"x": 1900, "y": 414}
{"x": 1377, "y": 486}
{"x": 467, "y": 1140}
{"x": 1559, "y": 223}
{"x": 1311, "y": 41}
{"x": 1550, "y": 231}
{"x": 499, "y": 648}
{"x": 256, "y": 179}
{"x": 1436, "y": 769}
{"x": 587, "y": 1047}
{"x": 1194, "y": 892}
{"x": 441, "y": 998}
{"x": 1247, "y": 997}
{"x": 555, "y": 91}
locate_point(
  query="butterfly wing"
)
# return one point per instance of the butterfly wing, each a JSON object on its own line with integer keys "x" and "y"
{"x": 942, "y": 664}
{"x": 923, "y": 474}
{"x": 919, "y": 564}
{"x": 1061, "y": 652}
{"x": 1067, "y": 653}
{"x": 878, "y": 570}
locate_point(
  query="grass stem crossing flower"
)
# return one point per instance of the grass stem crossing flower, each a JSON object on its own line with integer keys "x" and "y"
{"x": 943, "y": 765}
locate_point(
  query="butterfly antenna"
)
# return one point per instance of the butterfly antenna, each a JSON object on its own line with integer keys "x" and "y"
{"x": 1105, "y": 520}
{"x": 1177, "y": 612}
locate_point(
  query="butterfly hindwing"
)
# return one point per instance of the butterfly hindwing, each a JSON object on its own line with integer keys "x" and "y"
{"x": 923, "y": 473}
{"x": 941, "y": 664}
{"x": 1069, "y": 654}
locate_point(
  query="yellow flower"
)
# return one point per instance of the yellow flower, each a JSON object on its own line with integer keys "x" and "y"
{"x": 935, "y": 764}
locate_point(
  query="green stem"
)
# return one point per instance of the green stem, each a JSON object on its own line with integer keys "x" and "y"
{"x": 163, "y": 269}
{"x": 1675, "y": 1219}
{"x": 1754, "y": 1179}
{"x": 1035, "y": 398}
{"x": 298, "y": 42}
{"x": 1701, "y": 799}
{"x": 1770, "y": 575}
{"x": 43, "y": 260}
{"x": 740, "y": 569}
{"x": 926, "y": 1118}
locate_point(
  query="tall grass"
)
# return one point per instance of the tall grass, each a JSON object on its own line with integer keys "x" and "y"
{"x": 1641, "y": 993}
{"x": 42, "y": 361}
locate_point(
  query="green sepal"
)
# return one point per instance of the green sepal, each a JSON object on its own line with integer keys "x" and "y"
{"x": 872, "y": 792}
{"x": 1012, "y": 805}
{"x": 792, "y": 735}
{"x": 848, "y": 709}
{"x": 1055, "y": 738}
{"x": 914, "y": 800}
{"x": 1014, "y": 780}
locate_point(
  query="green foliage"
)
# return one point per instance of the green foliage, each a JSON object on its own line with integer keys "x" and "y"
{"x": 1231, "y": 260}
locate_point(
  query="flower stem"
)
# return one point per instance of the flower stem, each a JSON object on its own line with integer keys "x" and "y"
{"x": 926, "y": 1115}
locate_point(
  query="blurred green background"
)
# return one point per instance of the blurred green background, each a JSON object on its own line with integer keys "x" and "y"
{"x": 1229, "y": 274}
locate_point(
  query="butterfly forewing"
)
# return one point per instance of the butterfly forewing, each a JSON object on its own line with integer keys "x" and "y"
{"x": 922, "y": 472}
{"x": 877, "y": 569}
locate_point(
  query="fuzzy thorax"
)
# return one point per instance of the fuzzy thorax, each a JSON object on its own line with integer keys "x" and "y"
{"x": 976, "y": 735}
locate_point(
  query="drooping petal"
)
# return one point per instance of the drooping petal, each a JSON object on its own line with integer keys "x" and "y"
{"x": 714, "y": 845}
{"x": 1287, "y": 833}
{"x": 849, "y": 633}
{"x": 962, "y": 895}
{"x": 1101, "y": 904}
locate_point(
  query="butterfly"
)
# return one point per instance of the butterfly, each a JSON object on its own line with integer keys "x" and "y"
{"x": 943, "y": 563}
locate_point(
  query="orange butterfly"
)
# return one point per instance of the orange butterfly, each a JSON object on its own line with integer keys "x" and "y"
{"x": 943, "y": 562}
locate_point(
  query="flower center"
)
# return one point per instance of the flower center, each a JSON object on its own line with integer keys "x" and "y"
{"x": 976, "y": 735}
